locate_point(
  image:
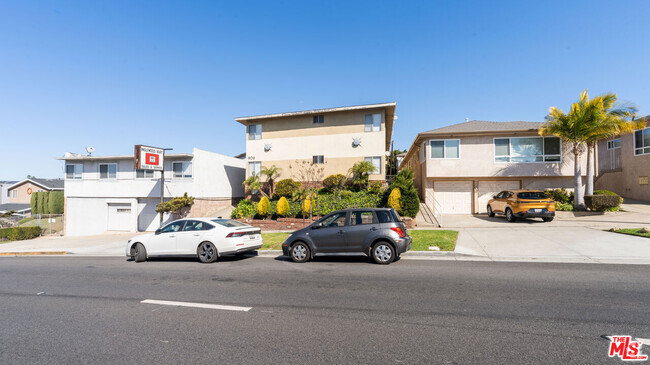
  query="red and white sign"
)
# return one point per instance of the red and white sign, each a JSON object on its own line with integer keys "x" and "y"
{"x": 149, "y": 158}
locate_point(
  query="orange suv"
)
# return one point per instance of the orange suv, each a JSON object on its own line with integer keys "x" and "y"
{"x": 522, "y": 204}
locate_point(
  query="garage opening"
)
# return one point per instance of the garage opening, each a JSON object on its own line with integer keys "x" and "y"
{"x": 487, "y": 189}
{"x": 119, "y": 217}
{"x": 454, "y": 197}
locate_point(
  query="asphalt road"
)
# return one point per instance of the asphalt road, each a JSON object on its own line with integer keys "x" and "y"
{"x": 333, "y": 310}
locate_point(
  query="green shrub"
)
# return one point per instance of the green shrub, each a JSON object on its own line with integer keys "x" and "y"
{"x": 264, "y": 207}
{"x": 56, "y": 202}
{"x": 34, "y": 203}
{"x": 46, "y": 202}
{"x": 175, "y": 204}
{"x": 328, "y": 203}
{"x": 20, "y": 233}
{"x": 286, "y": 188}
{"x": 564, "y": 207}
{"x": 41, "y": 202}
{"x": 282, "y": 207}
{"x": 245, "y": 209}
{"x": 409, "y": 201}
{"x": 607, "y": 192}
{"x": 602, "y": 203}
{"x": 393, "y": 200}
{"x": 334, "y": 182}
{"x": 375, "y": 188}
{"x": 560, "y": 195}
{"x": 306, "y": 206}
{"x": 7, "y": 214}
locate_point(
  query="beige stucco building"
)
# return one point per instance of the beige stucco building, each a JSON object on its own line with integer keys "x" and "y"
{"x": 623, "y": 164}
{"x": 459, "y": 168}
{"x": 21, "y": 192}
{"x": 335, "y": 138}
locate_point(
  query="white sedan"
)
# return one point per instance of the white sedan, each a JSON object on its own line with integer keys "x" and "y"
{"x": 205, "y": 238}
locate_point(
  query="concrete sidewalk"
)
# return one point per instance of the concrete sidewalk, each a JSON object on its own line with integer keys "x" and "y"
{"x": 110, "y": 244}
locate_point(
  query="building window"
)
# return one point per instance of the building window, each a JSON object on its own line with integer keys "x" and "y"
{"x": 254, "y": 168}
{"x": 372, "y": 122}
{"x": 73, "y": 172}
{"x": 318, "y": 159}
{"x": 318, "y": 119}
{"x": 108, "y": 171}
{"x": 527, "y": 149}
{"x": 144, "y": 174}
{"x": 376, "y": 162}
{"x": 182, "y": 169}
{"x": 14, "y": 194}
{"x": 445, "y": 148}
{"x": 255, "y": 131}
{"x": 613, "y": 144}
{"x": 642, "y": 142}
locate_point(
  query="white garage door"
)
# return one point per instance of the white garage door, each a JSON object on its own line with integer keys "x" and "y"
{"x": 454, "y": 197}
{"x": 487, "y": 189}
{"x": 119, "y": 217}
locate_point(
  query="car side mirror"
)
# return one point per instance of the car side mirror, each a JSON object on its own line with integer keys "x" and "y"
{"x": 317, "y": 225}
{"x": 158, "y": 231}
{"x": 494, "y": 196}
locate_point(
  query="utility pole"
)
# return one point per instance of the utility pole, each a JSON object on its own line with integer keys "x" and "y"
{"x": 162, "y": 183}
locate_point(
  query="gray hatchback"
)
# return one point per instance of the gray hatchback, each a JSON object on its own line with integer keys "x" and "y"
{"x": 377, "y": 232}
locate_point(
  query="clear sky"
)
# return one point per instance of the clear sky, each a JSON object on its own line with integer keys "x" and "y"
{"x": 113, "y": 74}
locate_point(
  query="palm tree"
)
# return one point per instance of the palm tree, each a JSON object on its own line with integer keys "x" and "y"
{"x": 609, "y": 122}
{"x": 574, "y": 129}
{"x": 272, "y": 172}
{"x": 253, "y": 184}
{"x": 360, "y": 172}
{"x": 587, "y": 122}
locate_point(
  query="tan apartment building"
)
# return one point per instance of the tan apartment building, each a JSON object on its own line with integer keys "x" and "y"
{"x": 335, "y": 138}
{"x": 460, "y": 167}
{"x": 623, "y": 164}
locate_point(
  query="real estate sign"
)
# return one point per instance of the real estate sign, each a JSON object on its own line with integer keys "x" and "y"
{"x": 149, "y": 158}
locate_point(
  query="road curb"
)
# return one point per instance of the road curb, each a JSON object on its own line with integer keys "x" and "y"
{"x": 49, "y": 253}
{"x": 450, "y": 254}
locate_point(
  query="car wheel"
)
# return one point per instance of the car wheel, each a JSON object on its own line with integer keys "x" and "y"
{"x": 510, "y": 217}
{"x": 547, "y": 219}
{"x": 490, "y": 212}
{"x": 299, "y": 252}
{"x": 140, "y": 253}
{"x": 207, "y": 253}
{"x": 383, "y": 253}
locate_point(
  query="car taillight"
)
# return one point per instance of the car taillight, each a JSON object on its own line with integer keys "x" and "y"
{"x": 399, "y": 231}
{"x": 241, "y": 234}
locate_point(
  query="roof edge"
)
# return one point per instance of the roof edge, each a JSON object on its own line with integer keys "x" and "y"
{"x": 315, "y": 111}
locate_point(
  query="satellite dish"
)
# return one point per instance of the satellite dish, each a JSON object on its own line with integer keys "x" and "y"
{"x": 90, "y": 150}
{"x": 356, "y": 142}
{"x": 387, "y": 153}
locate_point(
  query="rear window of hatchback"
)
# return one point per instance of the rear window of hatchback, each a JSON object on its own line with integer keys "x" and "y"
{"x": 532, "y": 195}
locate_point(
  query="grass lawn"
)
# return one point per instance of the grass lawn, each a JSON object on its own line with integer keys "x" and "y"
{"x": 273, "y": 241}
{"x": 634, "y": 232}
{"x": 422, "y": 239}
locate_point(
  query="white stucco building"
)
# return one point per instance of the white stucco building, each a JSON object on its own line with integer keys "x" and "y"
{"x": 106, "y": 193}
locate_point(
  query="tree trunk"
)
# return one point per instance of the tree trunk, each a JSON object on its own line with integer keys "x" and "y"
{"x": 589, "y": 187}
{"x": 579, "y": 199}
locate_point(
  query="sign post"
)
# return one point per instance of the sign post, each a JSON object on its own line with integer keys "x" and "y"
{"x": 152, "y": 158}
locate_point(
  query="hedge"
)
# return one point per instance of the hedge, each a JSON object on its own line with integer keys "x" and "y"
{"x": 56, "y": 202}
{"x": 601, "y": 203}
{"x": 19, "y": 233}
{"x": 285, "y": 188}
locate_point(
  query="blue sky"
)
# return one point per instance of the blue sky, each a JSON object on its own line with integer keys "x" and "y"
{"x": 113, "y": 74}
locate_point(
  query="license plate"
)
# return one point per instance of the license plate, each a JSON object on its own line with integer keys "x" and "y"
{"x": 253, "y": 236}
{"x": 537, "y": 210}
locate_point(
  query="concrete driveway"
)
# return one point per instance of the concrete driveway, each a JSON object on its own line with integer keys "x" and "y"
{"x": 552, "y": 244}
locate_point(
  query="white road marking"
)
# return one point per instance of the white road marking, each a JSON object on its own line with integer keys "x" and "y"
{"x": 197, "y": 305}
{"x": 41, "y": 293}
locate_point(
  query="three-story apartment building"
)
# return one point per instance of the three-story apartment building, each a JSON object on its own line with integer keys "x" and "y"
{"x": 335, "y": 138}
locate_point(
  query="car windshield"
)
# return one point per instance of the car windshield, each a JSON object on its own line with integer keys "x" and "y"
{"x": 229, "y": 223}
{"x": 532, "y": 195}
